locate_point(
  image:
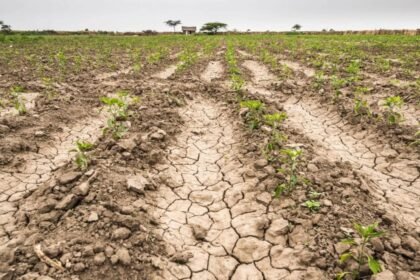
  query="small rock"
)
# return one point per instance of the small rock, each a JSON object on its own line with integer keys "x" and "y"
{"x": 114, "y": 259}
{"x": 121, "y": 233}
{"x": 199, "y": 232}
{"x": 264, "y": 198}
{"x": 83, "y": 189}
{"x": 68, "y": 202}
{"x": 69, "y": 177}
{"x": 181, "y": 257}
{"x": 4, "y": 128}
{"x": 377, "y": 245}
{"x": 99, "y": 259}
{"x": 39, "y": 133}
{"x": 93, "y": 217}
{"x": 261, "y": 163}
{"x": 127, "y": 144}
{"x": 137, "y": 184}
{"x": 312, "y": 167}
{"x": 384, "y": 275}
{"x": 29, "y": 276}
{"x": 411, "y": 243}
{"x": 7, "y": 255}
{"x": 327, "y": 203}
{"x": 109, "y": 251}
{"x": 79, "y": 267}
{"x": 53, "y": 251}
{"x": 395, "y": 241}
{"x": 341, "y": 248}
{"x": 123, "y": 256}
{"x": 158, "y": 135}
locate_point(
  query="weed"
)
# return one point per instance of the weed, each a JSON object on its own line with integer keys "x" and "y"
{"x": 18, "y": 100}
{"x": 276, "y": 137}
{"x": 312, "y": 205}
{"x": 291, "y": 160}
{"x": 254, "y": 114}
{"x": 392, "y": 105}
{"x": 118, "y": 109}
{"x": 361, "y": 254}
{"x": 81, "y": 159}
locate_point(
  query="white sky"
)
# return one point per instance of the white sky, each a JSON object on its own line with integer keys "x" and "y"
{"x": 261, "y": 15}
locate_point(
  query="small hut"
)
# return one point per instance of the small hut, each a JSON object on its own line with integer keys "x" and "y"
{"x": 187, "y": 30}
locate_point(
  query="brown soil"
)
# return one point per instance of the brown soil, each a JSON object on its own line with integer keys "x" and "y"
{"x": 187, "y": 193}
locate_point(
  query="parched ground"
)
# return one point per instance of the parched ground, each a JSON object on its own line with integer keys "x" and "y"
{"x": 187, "y": 192}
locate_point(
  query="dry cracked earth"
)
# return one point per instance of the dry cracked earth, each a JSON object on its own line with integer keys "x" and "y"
{"x": 210, "y": 204}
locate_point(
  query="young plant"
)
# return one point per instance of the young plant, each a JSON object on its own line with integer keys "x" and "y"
{"x": 312, "y": 205}
{"x": 276, "y": 137}
{"x": 81, "y": 159}
{"x": 392, "y": 105}
{"x": 361, "y": 253}
{"x": 118, "y": 109}
{"x": 18, "y": 99}
{"x": 254, "y": 114}
{"x": 416, "y": 142}
{"x": 291, "y": 160}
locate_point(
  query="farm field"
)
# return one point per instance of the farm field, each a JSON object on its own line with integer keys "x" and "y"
{"x": 210, "y": 157}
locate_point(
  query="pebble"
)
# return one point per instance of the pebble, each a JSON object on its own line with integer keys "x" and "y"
{"x": 68, "y": 202}
{"x": 121, "y": 233}
{"x": 69, "y": 177}
{"x": 261, "y": 163}
{"x": 123, "y": 256}
{"x": 99, "y": 259}
{"x": 79, "y": 267}
{"x": 93, "y": 217}
{"x": 137, "y": 184}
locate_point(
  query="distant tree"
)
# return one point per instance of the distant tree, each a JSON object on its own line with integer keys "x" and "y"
{"x": 4, "y": 27}
{"x": 332, "y": 30}
{"x": 213, "y": 27}
{"x": 173, "y": 23}
{"x": 296, "y": 27}
{"x": 324, "y": 30}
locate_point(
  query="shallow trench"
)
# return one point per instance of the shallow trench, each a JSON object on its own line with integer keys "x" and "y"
{"x": 392, "y": 177}
{"x": 37, "y": 167}
{"x": 209, "y": 211}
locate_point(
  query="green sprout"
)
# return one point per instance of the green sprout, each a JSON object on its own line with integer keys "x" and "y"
{"x": 361, "y": 255}
{"x": 254, "y": 114}
{"x": 81, "y": 159}
{"x": 291, "y": 159}
{"x": 392, "y": 105}
{"x": 312, "y": 205}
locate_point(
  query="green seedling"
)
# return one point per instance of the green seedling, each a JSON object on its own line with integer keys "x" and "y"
{"x": 81, "y": 159}
{"x": 312, "y": 205}
{"x": 416, "y": 142}
{"x": 18, "y": 99}
{"x": 254, "y": 114}
{"x": 392, "y": 105}
{"x": 314, "y": 195}
{"x": 291, "y": 160}
{"x": 118, "y": 109}
{"x": 361, "y": 255}
{"x": 276, "y": 137}
{"x": 274, "y": 120}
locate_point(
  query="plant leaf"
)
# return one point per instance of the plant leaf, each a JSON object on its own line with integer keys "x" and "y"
{"x": 345, "y": 257}
{"x": 374, "y": 265}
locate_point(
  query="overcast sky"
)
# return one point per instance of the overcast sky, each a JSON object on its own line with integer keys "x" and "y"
{"x": 257, "y": 15}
